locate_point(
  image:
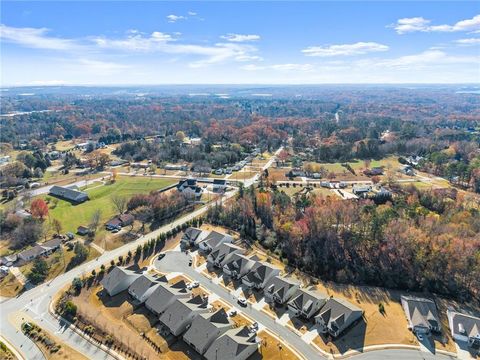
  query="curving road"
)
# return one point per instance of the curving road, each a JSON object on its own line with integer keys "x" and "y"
{"x": 35, "y": 303}
{"x": 176, "y": 261}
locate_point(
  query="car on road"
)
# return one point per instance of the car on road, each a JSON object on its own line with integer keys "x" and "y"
{"x": 232, "y": 313}
{"x": 254, "y": 326}
{"x": 161, "y": 256}
{"x": 190, "y": 262}
{"x": 115, "y": 230}
{"x": 242, "y": 301}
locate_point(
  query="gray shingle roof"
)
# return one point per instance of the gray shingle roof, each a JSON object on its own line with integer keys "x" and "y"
{"x": 143, "y": 283}
{"x": 163, "y": 294}
{"x": 280, "y": 286}
{"x": 191, "y": 234}
{"x": 232, "y": 344}
{"x": 206, "y": 328}
{"x": 337, "y": 313}
{"x": 214, "y": 238}
{"x": 181, "y": 309}
{"x": 118, "y": 276}
{"x": 260, "y": 271}
{"x": 304, "y": 300}
{"x": 220, "y": 252}
{"x": 464, "y": 325}
{"x": 421, "y": 312}
{"x": 68, "y": 193}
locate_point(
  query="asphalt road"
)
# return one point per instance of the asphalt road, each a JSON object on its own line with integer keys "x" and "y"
{"x": 178, "y": 261}
{"x": 36, "y": 301}
{"x": 175, "y": 261}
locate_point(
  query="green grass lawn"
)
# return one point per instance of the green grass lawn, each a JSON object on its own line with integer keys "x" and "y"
{"x": 71, "y": 216}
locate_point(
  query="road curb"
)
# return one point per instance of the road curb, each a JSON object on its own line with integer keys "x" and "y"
{"x": 12, "y": 348}
{"x": 77, "y": 330}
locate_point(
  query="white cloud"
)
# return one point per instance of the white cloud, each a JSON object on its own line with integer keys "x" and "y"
{"x": 103, "y": 66}
{"x": 240, "y": 37}
{"x": 35, "y": 38}
{"x": 358, "y": 48}
{"x": 468, "y": 42}
{"x": 174, "y": 18}
{"x": 192, "y": 13}
{"x": 135, "y": 41}
{"x": 408, "y": 25}
{"x": 278, "y": 67}
{"x": 424, "y": 59}
{"x": 48, "y": 82}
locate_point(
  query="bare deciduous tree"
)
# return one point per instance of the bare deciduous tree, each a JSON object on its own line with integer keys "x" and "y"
{"x": 95, "y": 221}
{"x": 120, "y": 203}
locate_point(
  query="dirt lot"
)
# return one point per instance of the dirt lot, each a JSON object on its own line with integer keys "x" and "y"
{"x": 10, "y": 286}
{"x": 375, "y": 328}
{"x": 271, "y": 348}
{"x": 116, "y": 316}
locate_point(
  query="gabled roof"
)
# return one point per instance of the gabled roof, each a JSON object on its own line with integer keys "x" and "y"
{"x": 231, "y": 344}
{"x": 224, "y": 249}
{"x": 116, "y": 276}
{"x": 163, "y": 294}
{"x": 180, "y": 310}
{"x": 304, "y": 300}
{"x": 143, "y": 283}
{"x": 207, "y": 327}
{"x": 260, "y": 271}
{"x": 238, "y": 261}
{"x": 51, "y": 244}
{"x": 464, "y": 324}
{"x": 280, "y": 286}
{"x": 214, "y": 238}
{"x": 68, "y": 193}
{"x": 34, "y": 252}
{"x": 421, "y": 312}
{"x": 338, "y": 311}
{"x": 191, "y": 234}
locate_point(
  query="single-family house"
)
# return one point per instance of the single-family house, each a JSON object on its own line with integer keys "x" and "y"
{"x": 69, "y": 194}
{"x": 164, "y": 295}
{"x": 375, "y": 171}
{"x": 30, "y": 254}
{"x": 337, "y": 315}
{"x": 221, "y": 253}
{"x": 260, "y": 274}
{"x": 361, "y": 190}
{"x": 237, "y": 266}
{"x": 191, "y": 236}
{"x": 306, "y": 303}
{"x": 120, "y": 221}
{"x": 8, "y": 260}
{"x": 190, "y": 188}
{"x": 118, "y": 280}
{"x": 464, "y": 327}
{"x": 219, "y": 185}
{"x": 422, "y": 314}
{"x": 178, "y": 316}
{"x": 280, "y": 289}
{"x": 144, "y": 286}
{"x": 206, "y": 328}
{"x": 235, "y": 344}
{"x": 213, "y": 239}
{"x": 51, "y": 245}
{"x": 83, "y": 230}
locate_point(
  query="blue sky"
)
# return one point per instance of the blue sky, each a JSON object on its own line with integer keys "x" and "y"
{"x": 108, "y": 42}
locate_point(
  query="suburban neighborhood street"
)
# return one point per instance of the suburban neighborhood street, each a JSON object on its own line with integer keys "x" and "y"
{"x": 35, "y": 302}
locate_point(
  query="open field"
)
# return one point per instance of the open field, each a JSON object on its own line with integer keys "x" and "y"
{"x": 71, "y": 216}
